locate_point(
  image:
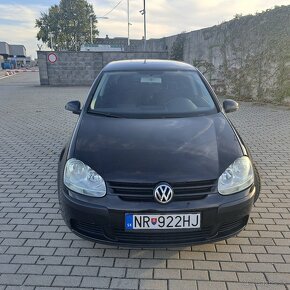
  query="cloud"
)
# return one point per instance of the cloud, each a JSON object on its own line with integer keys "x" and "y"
{"x": 168, "y": 17}
{"x": 164, "y": 17}
{"x": 18, "y": 25}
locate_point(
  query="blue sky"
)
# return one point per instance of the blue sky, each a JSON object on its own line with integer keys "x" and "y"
{"x": 164, "y": 17}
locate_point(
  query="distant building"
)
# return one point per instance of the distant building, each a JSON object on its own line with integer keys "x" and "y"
{"x": 113, "y": 44}
{"x": 100, "y": 47}
{"x": 14, "y": 54}
{"x": 4, "y": 49}
{"x": 17, "y": 50}
{"x": 12, "y": 50}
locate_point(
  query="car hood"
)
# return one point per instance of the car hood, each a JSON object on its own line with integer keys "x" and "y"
{"x": 155, "y": 150}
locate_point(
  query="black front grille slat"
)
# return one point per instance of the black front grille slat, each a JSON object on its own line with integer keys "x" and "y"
{"x": 182, "y": 191}
{"x": 163, "y": 237}
{"x": 87, "y": 228}
{"x": 234, "y": 225}
{"x": 185, "y": 190}
{"x": 152, "y": 237}
{"x": 131, "y": 188}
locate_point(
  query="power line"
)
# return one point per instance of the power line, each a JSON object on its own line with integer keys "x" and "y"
{"x": 113, "y": 8}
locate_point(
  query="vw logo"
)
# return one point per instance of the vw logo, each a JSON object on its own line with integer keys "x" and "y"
{"x": 163, "y": 193}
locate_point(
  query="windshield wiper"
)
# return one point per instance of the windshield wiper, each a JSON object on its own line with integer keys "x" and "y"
{"x": 106, "y": 114}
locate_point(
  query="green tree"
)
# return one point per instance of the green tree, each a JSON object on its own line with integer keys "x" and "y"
{"x": 70, "y": 24}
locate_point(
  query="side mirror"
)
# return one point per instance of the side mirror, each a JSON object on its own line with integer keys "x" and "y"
{"x": 74, "y": 106}
{"x": 230, "y": 105}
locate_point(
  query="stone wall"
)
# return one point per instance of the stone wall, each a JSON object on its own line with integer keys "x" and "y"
{"x": 81, "y": 68}
{"x": 247, "y": 57}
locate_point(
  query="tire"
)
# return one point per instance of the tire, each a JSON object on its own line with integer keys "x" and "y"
{"x": 257, "y": 183}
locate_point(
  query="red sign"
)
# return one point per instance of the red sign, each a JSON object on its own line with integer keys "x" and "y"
{"x": 52, "y": 57}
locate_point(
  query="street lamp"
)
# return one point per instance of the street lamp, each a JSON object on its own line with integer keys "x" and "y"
{"x": 143, "y": 12}
{"x": 128, "y": 13}
{"x": 91, "y": 24}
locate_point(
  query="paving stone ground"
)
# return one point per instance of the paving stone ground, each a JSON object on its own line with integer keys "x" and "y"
{"x": 37, "y": 251}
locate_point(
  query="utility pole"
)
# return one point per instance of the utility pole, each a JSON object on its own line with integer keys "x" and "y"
{"x": 128, "y": 12}
{"x": 91, "y": 24}
{"x": 143, "y": 12}
{"x": 145, "y": 37}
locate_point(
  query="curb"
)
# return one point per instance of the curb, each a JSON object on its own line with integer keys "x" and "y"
{"x": 9, "y": 73}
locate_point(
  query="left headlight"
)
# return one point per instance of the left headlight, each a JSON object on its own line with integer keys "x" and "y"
{"x": 237, "y": 177}
{"x": 80, "y": 178}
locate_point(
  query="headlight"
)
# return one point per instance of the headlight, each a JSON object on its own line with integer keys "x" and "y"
{"x": 82, "y": 179}
{"x": 237, "y": 177}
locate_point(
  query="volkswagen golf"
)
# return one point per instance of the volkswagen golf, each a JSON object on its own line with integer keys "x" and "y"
{"x": 154, "y": 160}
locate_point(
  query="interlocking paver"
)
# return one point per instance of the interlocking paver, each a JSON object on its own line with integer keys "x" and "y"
{"x": 39, "y": 280}
{"x": 191, "y": 255}
{"x": 180, "y": 264}
{"x": 261, "y": 267}
{"x": 153, "y": 263}
{"x": 223, "y": 276}
{"x": 278, "y": 277}
{"x": 12, "y": 279}
{"x": 141, "y": 254}
{"x": 37, "y": 250}
{"x": 67, "y": 281}
{"x": 167, "y": 273}
{"x": 241, "y": 286}
{"x": 155, "y": 284}
{"x": 107, "y": 262}
{"x": 30, "y": 269}
{"x": 112, "y": 272}
{"x": 251, "y": 277}
{"x": 8, "y": 268}
{"x": 211, "y": 285}
{"x": 128, "y": 263}
{"x": 140, "y": 273}
{"x": 95, "y": 282}
{"x": 195, "y": 275}
{"x": 234, "y": 266}
{"x": 182, "y": 285}
{"x": 206, "y": 265}
{"x": 57, "y": 270}
{"x": 118, "y": 283}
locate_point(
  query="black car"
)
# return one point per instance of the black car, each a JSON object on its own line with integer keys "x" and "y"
{"x": 154, "y": 160}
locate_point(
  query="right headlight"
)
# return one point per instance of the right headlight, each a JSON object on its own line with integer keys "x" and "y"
{"x": 237, "y": 177}
{"x": 80, "y": 178}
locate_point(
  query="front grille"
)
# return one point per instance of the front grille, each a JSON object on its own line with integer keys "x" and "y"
{"x": 118, "y": 234}
{"x": 161, "y": 237}
{"x": 233, "y": 226}
{"x": 144, "y": 192}
{"x": 88, "y": 229}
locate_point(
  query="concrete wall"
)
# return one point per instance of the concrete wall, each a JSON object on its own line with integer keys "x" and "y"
{"x": 246, "y": 58}
{"x": 81, "y": 68}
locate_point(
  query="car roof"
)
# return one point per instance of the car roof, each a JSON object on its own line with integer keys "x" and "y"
{"x": 147, "y": 64}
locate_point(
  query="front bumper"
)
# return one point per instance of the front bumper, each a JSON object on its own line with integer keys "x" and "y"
{"x": 103, "y": 219}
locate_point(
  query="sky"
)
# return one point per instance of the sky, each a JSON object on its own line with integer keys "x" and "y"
{"x": 164, "y": 17}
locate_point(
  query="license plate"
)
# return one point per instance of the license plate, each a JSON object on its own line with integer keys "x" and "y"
{"x": 162, "y": 222}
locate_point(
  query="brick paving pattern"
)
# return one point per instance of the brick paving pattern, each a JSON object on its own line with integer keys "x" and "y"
{"x": 37, "y": 251}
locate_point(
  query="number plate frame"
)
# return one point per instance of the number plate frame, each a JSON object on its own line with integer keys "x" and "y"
{"x": 153, "y": 222}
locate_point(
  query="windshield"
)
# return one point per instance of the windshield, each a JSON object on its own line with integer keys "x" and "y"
{"x": 158, "y": 94}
